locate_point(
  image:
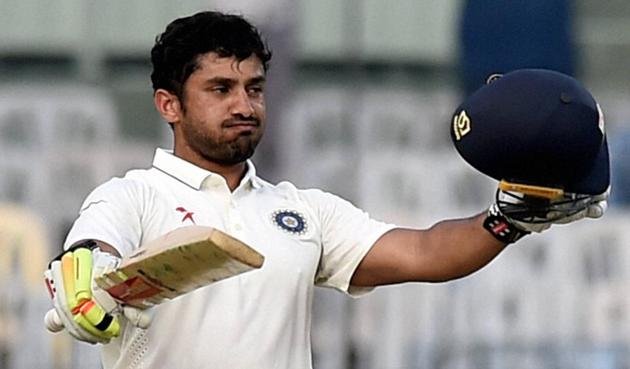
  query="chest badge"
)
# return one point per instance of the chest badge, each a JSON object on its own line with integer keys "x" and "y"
{"x": 290, "y": 221}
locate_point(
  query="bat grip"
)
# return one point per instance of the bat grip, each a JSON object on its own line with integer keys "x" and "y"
{"x": 53, "y": 322}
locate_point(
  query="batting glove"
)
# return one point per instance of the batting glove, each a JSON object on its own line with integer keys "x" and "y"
{"x": 85, "y": 310}
{"x": 521, "y": 214}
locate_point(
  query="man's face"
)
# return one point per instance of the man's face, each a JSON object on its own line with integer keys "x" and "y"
{"x": 223, "y": 109}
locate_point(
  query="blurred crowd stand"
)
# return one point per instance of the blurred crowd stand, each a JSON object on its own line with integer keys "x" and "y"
{"x": 58, "y": 143}
{"x": 24, "y": 253}
{"x": 620, "y": 154}
{"x": 501, "y": 36}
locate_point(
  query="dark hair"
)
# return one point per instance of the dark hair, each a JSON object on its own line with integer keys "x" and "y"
{"x": 175, "y": 53}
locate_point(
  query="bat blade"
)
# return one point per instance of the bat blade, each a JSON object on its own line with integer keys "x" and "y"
{"x": 176, "y": 263}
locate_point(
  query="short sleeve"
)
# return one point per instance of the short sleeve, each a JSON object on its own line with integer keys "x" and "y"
{"x": 347, "y": 234}
{"x": 112, "y": 214}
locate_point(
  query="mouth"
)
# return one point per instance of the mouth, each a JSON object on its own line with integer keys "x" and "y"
{"x": 242, "y": 126}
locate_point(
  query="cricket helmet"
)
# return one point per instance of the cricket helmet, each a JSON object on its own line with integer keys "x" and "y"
{"x": 535, "y": 127}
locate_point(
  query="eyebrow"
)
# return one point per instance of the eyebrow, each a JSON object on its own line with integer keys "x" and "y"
{"x": 231, "y": 81}
{"x": 257, "y": 80}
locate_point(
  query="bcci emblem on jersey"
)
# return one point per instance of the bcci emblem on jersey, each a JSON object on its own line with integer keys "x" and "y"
{"x": 290, "y": 221}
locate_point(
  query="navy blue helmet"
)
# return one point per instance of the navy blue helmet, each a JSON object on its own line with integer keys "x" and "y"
{"x": 535, "y": 127}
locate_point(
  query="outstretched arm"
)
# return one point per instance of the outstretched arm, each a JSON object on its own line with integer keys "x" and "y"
{"x": 448, "y": 250}
{"x": 456, "y": 248}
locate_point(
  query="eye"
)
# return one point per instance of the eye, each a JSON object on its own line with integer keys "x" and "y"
{"x": 255, "y": 90}
{"x": 221, "y": 89}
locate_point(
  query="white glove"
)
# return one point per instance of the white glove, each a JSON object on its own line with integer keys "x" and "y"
{"x": 565, "y": 210}
{"x": 89, "y": 313}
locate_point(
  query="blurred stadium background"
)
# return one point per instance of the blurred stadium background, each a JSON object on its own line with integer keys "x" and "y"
{"x": 360, "y": 98}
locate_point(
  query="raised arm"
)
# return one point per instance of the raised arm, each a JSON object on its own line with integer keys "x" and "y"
{"x": 456, "y": 248}
{"x": 448, "y": 250}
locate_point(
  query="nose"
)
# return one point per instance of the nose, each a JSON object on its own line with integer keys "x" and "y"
{"x": 241, "y": 104}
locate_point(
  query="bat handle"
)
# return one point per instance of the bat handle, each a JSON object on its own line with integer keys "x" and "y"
{"x": 53, "y": 322}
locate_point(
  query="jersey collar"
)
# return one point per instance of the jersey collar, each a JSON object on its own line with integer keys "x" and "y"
{"x": 192, "y": 175}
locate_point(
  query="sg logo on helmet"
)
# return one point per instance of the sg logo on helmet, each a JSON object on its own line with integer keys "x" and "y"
{"x": 461, "y": 125}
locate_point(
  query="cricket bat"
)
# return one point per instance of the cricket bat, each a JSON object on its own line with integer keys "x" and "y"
{"x": 172, "y": 265}
{"x": 176, "y": 263}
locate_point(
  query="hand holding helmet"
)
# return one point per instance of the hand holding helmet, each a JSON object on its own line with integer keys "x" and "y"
{"x": 535, "y": 213}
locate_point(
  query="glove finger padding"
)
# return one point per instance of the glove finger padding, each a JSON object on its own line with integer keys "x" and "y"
{"x": 599, "y": 205}
{"x": 70, "y": 284}
{"x": 54, "y": 281}
{"x": 597, "y": 209}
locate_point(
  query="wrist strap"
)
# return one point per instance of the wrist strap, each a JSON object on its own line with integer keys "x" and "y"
{"x": 88, "y": 244}
{"x": 500, "y": 227}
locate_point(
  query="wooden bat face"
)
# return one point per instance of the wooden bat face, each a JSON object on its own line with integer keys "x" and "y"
{"x": 178, "y": 262}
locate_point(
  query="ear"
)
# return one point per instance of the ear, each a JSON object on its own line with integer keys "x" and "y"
{"x": 168, "y": 105}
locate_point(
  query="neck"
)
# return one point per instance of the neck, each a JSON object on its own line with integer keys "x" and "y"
{"x": 232, "y": 173}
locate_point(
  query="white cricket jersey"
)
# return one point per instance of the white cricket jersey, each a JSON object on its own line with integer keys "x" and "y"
{"x": 260, "y": 319}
